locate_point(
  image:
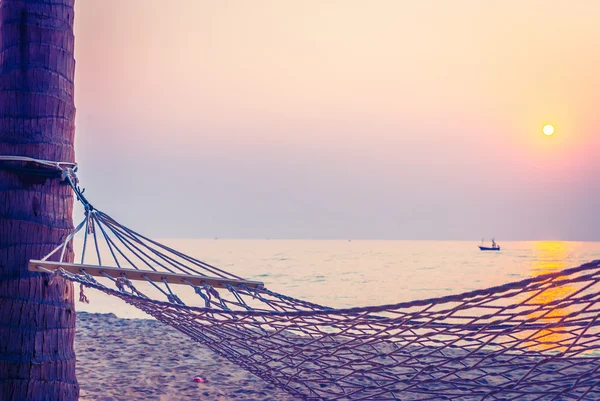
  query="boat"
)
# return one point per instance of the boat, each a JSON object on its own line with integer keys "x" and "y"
{"x": 494, "y": 247}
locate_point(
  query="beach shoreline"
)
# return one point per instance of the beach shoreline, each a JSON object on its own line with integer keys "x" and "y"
{"x": 143, "y": 359}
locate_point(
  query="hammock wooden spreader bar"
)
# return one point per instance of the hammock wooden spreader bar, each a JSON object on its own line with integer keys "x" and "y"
{"x": 143, "y": 275}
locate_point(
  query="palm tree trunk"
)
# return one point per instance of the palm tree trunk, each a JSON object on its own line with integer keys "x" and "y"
{"x": 37, "y": 114}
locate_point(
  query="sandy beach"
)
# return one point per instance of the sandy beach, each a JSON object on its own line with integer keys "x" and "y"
{"x": 141, "y": 359}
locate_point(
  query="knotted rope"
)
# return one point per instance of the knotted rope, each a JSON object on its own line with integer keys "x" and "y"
{"x": 82, "y": 297}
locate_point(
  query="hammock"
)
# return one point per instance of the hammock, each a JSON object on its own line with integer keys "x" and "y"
{"x": 535, "y": 339}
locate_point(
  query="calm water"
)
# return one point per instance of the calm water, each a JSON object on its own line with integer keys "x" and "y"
{"x": 358, "y": 273}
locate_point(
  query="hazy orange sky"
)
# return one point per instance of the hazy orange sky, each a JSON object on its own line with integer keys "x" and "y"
{"x": 341, "y": 119}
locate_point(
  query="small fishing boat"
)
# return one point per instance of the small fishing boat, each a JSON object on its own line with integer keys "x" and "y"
{"x": 494, "y": 247}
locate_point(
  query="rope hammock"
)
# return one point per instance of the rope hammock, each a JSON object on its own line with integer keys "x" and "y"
{"x": 536, "y": 339}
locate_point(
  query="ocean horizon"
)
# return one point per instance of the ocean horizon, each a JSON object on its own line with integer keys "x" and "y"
{"x": 348, "y": 273}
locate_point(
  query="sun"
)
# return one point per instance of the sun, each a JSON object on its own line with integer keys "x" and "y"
{"x": 548, "y": 129}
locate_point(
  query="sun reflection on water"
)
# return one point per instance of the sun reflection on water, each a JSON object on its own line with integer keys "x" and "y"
{"x": 551, "y": 257}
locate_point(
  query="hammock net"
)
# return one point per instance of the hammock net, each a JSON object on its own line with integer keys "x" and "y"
{"x": 536, "y": 339}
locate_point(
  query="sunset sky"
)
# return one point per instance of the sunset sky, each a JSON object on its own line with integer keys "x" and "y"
{"x": 341, "y": 119}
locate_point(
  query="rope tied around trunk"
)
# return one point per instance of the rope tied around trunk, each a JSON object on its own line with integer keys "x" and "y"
{"x": 38, "y": 167}
{"x": 65, "y": 171}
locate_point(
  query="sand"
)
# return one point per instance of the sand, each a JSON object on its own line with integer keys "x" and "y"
{"x": 140, "y": 359}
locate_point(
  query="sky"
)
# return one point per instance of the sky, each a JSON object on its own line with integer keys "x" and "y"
{"x": 341, "y": 119}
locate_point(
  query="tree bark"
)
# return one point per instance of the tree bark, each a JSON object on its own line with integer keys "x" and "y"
{"x": 37, "y": 114}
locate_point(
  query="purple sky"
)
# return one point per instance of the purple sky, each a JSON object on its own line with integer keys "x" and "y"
{"x": 341, "y": 119}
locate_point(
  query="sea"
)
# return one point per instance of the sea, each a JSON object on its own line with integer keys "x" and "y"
{"x": 347, "y": 273}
